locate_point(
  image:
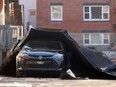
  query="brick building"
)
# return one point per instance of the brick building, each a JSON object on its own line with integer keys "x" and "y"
{"x": 13, "y": 15}
{"x": 91, "y": 22}
{"x": 10, "y": 12}
{"x": 1, "y": 5}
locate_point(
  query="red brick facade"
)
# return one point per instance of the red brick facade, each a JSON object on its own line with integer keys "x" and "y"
{"x": 13, "y": 13}
{"x": 1, "y": 5}
{"x": 73, "y": 16}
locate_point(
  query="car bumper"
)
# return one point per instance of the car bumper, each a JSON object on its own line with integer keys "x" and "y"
{"x": 40, "y": 69}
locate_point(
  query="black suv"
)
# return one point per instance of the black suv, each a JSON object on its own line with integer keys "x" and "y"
{"x": 40, "y": 55}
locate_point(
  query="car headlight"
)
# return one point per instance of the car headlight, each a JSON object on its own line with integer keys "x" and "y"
{"x": 58, "y": 58}
{"x": 22, "y": 55}
{"x": 21, "y": 58}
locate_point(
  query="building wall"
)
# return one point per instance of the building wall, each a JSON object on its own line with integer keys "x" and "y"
{"x": 1, "y": 5}
{"x": 30, "y": 6}
{"x": 73, "y": 17}
{"x": 13, "y": 12}
{"x": 79, "y": 38}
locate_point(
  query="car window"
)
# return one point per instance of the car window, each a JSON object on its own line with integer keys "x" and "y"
{"x": 43, "y": 45}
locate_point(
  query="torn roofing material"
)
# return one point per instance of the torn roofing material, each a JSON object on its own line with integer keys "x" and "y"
{"x": 83, "y": 61}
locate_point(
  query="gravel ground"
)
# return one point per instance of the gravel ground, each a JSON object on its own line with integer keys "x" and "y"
{"x": 53, "y": 82}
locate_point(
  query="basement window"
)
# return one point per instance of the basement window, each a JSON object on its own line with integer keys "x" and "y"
{"x": 96, "y": 39}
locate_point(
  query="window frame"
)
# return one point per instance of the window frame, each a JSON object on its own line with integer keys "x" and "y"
{"x": 90, "y": 14}
{"x": 102, "y": 38}
{"x": 57, "y": 19}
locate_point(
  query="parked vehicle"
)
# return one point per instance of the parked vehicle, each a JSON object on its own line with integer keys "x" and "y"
{"x": 40, "y": 55}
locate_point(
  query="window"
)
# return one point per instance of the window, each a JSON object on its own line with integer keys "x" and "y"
{"x": 56, "y": 12}
{"x": 96, "y": 38}
{"x": 96, "y": 13}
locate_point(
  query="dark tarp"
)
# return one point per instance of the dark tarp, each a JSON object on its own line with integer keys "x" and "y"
{"x": 82, "y": 61}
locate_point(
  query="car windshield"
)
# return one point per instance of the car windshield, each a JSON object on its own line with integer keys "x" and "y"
{"x": 42, "y": 45}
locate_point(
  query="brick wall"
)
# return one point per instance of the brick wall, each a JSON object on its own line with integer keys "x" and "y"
{"x": 73, "y": 18}
{"x": 13, "y": 13}
{"x": 73, "y": 15}
{"x": 1, "y": 5}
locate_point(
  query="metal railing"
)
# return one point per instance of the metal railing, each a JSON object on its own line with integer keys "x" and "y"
{"x": 17, "y": 33}
{"x": 5, "y": 36}
{"x": 9, "y": 36}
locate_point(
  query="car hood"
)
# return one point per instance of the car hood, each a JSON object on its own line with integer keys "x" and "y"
{"x": 37, "y": 53}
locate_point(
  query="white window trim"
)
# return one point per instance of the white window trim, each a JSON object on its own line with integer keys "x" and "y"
{"x": 96, "y": 44}
{"x": 90, "y": 19}
{"x": 52, "y": 19}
